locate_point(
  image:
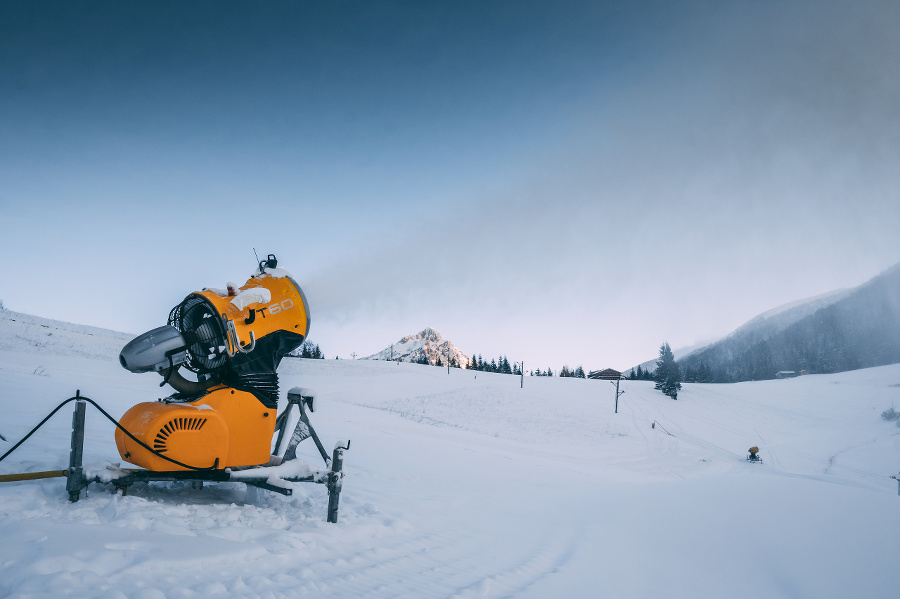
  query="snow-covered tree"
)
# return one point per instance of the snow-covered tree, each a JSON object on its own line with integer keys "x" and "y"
{"x": 668, "y": 375}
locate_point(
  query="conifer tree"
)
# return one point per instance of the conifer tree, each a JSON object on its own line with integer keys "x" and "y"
{"x": 668, "y": 375}
{"x": 704, "y": 375}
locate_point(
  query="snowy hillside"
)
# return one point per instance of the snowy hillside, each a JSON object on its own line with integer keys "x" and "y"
{"x": 846, "y": 330}
{"x": 32, "y": 333}
{"x": 761, "y": 327}
{"x": 777, "y": 319}
{"x": 837, "y": 331}
{"x": 464, "y": 485}
{"x": 425, "y": 346}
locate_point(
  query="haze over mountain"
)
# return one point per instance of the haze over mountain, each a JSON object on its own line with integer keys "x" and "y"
{"x": 835, "y": 332}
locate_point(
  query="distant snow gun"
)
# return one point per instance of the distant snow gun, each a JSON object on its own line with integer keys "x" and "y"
{"x": 221, "y": 426}
{"x": 753, "y": 454}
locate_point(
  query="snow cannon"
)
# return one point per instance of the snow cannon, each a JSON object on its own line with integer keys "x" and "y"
{"x": 753, "y": 454}
{"x": 232, "y": 340}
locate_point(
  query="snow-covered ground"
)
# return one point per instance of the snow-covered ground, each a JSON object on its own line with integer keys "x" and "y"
{"x": 465, "y": 486}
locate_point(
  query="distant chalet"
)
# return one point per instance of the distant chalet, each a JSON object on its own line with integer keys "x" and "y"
{"x": 605, "y": 375}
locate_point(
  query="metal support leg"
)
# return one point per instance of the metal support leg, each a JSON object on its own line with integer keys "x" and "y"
{"x": 281, "y": 424}
{"x": 312, "y": 432}
{"x": 335, "y": 479}
{"x": 302, "y": 431}
{"x": 75, "y": 474}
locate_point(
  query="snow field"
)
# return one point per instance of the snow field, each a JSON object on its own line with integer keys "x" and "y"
{"x": 460, "y": 486}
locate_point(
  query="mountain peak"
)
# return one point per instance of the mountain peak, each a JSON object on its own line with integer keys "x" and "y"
{"x": 427, "y": 334}
{"x": 425, "y": 347}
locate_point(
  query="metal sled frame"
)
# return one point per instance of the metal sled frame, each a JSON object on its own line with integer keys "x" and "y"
{"x": 76, "y": 479}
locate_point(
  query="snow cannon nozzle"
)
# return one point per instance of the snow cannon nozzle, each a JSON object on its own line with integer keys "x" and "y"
{"x": 156, "y": 350}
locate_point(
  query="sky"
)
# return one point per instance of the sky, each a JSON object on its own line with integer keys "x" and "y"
{"x": 561, "y": 183}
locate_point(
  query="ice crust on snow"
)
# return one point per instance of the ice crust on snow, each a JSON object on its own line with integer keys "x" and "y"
{"x": 290, "y": 469}
{"x": 276, "y": 273}
{"x": 105, "y": 472}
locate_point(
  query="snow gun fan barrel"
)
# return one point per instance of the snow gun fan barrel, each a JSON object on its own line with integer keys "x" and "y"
{"x": 163, "y": 347}
{"x": 233, "y": 341}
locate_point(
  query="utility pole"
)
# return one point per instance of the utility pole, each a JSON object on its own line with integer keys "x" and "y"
{"x": 618, "y": 393}
{"x": 392, "y": 352}
{"x": 522, "y": 376}
{"x": 448, "y": 357}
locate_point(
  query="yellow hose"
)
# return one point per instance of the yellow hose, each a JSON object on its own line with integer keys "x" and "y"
{"x": 8, "y": 478}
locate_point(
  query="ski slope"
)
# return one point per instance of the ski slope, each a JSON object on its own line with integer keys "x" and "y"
{"x": 460, "y": 485}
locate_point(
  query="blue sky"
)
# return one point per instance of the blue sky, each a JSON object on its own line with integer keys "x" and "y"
{"x": 566, "y": 184}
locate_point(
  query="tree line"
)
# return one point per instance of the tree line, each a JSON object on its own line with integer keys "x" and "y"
{"x": 308, "y": 350}
{"x": 502, "y": 365}
{"x": 499, "y": 365}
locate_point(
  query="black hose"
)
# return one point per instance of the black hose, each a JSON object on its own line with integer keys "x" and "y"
{"x": 79, "y": 397}
{"x": 183, "y": 385}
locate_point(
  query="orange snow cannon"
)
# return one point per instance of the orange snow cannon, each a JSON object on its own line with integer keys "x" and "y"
{"x": 233, "y": 340}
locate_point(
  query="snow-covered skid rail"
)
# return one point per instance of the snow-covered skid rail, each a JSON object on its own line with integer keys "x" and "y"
{"x": 274, "y": 476}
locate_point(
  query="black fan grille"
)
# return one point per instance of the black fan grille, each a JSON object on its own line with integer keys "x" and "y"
{"x": 202, "y": 328}
{"x": 161, "y": 442}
